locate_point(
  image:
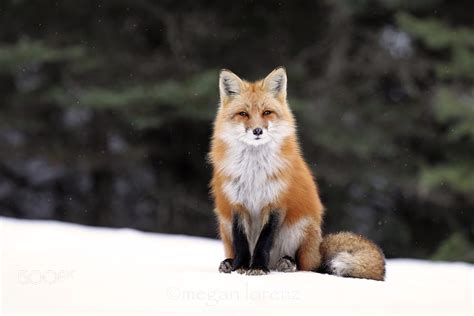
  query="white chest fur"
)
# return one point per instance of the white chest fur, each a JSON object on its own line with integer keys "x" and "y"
{"x": 251, "y": 170}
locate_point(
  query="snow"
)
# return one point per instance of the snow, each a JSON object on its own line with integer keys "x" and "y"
{"x": 51, "y": 267}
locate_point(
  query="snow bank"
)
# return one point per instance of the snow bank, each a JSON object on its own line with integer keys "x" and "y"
{"x": 52, "y": 267}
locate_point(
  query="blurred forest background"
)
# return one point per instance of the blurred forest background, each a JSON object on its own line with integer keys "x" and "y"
{"x": 106, "y": 110}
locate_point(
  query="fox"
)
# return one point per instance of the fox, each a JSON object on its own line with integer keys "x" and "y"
{"x": 267, "y": 202}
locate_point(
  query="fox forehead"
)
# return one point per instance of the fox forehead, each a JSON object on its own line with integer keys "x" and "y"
{"x": 253, "y": 98}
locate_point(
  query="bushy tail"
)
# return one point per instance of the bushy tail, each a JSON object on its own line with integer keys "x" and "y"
{"x": 350, "y": 255}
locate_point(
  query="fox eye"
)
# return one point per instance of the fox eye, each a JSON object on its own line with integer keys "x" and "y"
{"x": 267, "y": 113}
{"x": 243, "y": 114}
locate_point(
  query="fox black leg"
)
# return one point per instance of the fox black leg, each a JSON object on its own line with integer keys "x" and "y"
{"x": 240, "y": 243}
{"x": 261, "y": 254}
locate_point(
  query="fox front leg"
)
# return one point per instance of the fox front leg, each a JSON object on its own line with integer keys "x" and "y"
{"x": 261, "y": 254}
{"x": 240, "y": 245}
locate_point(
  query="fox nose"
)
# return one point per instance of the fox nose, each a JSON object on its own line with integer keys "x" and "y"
{"x": 257, "y": 131}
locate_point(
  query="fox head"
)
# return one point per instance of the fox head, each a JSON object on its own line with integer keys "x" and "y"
{"x": 253, "y": 113}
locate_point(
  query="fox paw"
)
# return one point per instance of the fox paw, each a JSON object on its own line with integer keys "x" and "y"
{"x": 257, "y": 271}
{"x": 286, "y": 264}
{"x": 241, "y": 270}
{"x": 226, "y": 266}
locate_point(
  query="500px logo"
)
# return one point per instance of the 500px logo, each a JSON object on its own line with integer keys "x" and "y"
{"x": 49, "y": 276}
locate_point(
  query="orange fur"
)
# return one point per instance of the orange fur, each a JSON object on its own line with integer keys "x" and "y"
{"x": 308, "y": 255}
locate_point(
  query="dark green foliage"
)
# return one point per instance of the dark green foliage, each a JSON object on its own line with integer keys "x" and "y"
{"x": 106, "y": 111}
{"x": 456, "y": 247}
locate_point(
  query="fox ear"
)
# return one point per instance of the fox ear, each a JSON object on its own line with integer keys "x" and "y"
{"x": 275, "y": 82}
{"x": 229, "y": 84}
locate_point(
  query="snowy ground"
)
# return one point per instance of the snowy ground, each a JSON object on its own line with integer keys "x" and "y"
{"x": 50, "y": 267}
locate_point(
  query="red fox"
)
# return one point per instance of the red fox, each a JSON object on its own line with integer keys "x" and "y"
{"x": 266, "y": 199}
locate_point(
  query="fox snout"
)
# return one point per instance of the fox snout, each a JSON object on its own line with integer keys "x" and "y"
{"x": 255, "y": 135}
{"x": 257, "y": 131}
